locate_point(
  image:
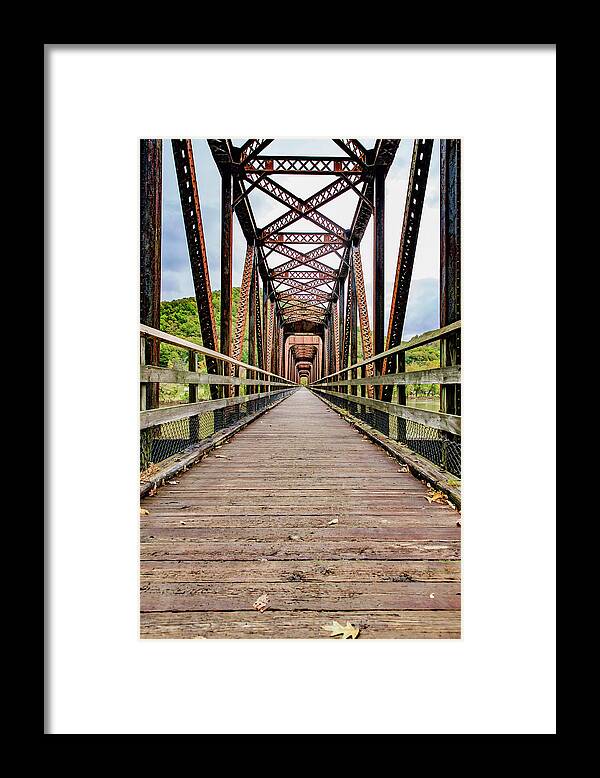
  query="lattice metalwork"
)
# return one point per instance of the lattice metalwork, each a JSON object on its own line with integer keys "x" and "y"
{"x": 242, "y": 314}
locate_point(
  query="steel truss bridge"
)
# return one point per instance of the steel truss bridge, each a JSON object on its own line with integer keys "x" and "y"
{"x": 326, "y": 524}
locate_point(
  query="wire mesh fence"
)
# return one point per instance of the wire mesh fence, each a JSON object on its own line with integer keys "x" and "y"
{"x": 161, "y": 441}
{"x": 441, "y": 448}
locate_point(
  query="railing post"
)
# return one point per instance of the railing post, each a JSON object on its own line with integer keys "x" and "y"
{"x": 194, "y": 421}
{"x": 147, "y": 434}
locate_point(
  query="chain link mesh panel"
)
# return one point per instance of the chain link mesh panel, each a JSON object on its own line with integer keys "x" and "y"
{"x": 162, "y": 441}
{"x": 441, "y": 448}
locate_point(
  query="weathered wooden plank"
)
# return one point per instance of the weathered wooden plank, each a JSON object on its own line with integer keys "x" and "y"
{"x": 253, "y": 517}
{"x": 162, "y": 415}
{"x": 441, "y": 421}
{"x": 310, "y": 536}
{"x": 240, "y": 517}
{"x": 342, "y": 549}
{"x": 188, "y": 345}
{"x": 301, "y": 625}
{"x": 166, "y": 375}
{"x": 435, "y": 375}
{"x": 331, "y": 571}
{"x": 299, "y": 595}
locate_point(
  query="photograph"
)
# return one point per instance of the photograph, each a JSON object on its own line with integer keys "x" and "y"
{"x": 300, "y": 388}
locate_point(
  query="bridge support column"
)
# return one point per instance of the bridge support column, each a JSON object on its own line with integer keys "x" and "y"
{"x": 150, "y": 251}
{"x": 353, "y": 312}
{"x": 226, "y": 273}
{"x": 150, "y": 267}
{"x": 450, "y": 265}
{"x": 378, "y": 268}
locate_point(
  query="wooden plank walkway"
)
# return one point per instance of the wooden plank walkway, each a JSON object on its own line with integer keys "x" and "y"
{"x": 258, "y": 516}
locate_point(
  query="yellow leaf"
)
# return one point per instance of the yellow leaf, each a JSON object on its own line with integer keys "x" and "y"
{"x": 144, "y": 512}
{"x": 349, "y": 631}
{"x": 333, "y": 521}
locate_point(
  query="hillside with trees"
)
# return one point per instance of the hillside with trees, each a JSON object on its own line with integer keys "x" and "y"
{"x": 180, "y": 317}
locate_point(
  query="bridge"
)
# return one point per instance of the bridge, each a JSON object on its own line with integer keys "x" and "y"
{"x": 297, "y": 493}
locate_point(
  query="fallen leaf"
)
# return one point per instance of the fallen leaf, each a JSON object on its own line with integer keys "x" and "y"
{"x": 435, "y": 496}
{"x": 458, "y": 524}
{"x": 173, "y": 483}
{"x": 220, "y": 456}
{"x": 432, "y": 596}
{"x": 333, "y": 521}
{"x": 144, "y": 512}
{"x": 349, "y": 631}
{"x": 261, "y": 603}
{"x": 294, "y": 537}
{"x": 152, "y": 492}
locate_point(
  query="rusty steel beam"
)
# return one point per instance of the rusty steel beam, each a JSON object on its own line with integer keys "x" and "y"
{"x": 379, "y": 267}
{"x": 296, "y": 262}
{"x": 252, "y": 148}
{"x": 183, "y": 156}
{"x": 242, "y": 314}
{"x": 353, "y": 148}
{"x": 150, "y": 252}
{"x": 363, "y": 312}
{"x": 336, "y": 340}
{"x": 304, "y": 237}
{"x": 304, "y": 258}
{"x": 226, "y": 262}
{"x": 299, "y": 165}
{"x": 415, "y": 197}
{"x": 348, "y": 321}
{"x": 304, "y": 209}
{"x": 450, "y": 271}
{"x": 269, "y": 338}
{"x": 305, "y": 275}
{"x": 258, "y": 323}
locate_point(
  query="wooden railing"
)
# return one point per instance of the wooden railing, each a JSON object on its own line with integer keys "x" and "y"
{"x": 238, "y": 390}
{"x": 438, "y": 437}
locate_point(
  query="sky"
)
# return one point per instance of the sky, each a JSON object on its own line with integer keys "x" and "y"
{"x": 423, "y": 303}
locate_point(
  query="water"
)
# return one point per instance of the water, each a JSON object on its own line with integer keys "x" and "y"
{"x": 425, "y": 403}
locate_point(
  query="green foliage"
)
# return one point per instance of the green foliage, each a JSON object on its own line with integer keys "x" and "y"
{"x": 180, "y": 318}
{"x": 420, "y": 358}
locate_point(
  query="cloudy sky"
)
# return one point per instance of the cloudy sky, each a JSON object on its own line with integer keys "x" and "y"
{"x": 423, "y": 306}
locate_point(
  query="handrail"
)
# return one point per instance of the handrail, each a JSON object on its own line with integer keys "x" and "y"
{"x": 420, "y": 341}
{"x": 165, "y": 337}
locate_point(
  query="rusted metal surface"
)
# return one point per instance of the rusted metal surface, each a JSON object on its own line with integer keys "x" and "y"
{"x": 150, "y": 251}
{"x": 378, "y": 264}
{"x": 183, "y": 156}
{"x": 363, "y": 311}
{"x": 450, "y": 276}
{"x": 242, "y": 313}
{"x": 415, "y": 197}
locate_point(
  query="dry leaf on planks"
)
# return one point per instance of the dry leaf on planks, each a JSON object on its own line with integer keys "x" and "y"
{"x": 261, "y": 603}
{"x": 337, "y": 630}
{"x": 435, "y": 497}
